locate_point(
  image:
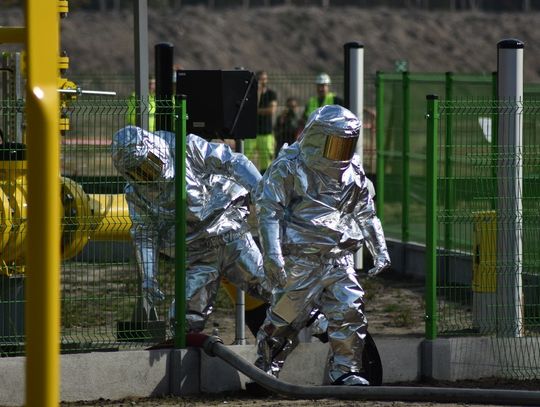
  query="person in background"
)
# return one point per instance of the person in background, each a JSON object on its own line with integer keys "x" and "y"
{"x": 287, "y": 124}
{"x": 149, "y": 106}
{"x": 261, "y": 150}
{"x": 324, "y": 95}
{"x": 315, "y": 210}
{"x": 219, "y": 243}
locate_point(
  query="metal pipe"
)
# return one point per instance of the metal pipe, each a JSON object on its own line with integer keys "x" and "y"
{"x": 405, "y": 162}
{"x": 354, "y": 101}
{"x": 140, "y": 37}
{"x": 432, "y": 127}
{"x": 180, "y": 220}
{"x": 164, "y": 87}
{"x": 510, "y": 187}
{"x": 43, "y": 284}
{"x": 379, "y": 145}
{"x": 79, "y": 91}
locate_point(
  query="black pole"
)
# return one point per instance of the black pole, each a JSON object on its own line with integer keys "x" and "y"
{"x": 164, "y": 87}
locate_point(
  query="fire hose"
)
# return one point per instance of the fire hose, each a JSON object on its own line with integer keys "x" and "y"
{"x": 214, "y": 346}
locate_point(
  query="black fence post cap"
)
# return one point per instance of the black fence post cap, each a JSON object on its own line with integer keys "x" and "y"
{"x": 510, "y": 43}
{"x": 353, "y": 44}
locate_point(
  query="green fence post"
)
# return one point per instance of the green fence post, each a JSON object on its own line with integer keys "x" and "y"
{"x": 405, "y": 158}
{"x": 448, "y": 161}
{"x": 180, "y": 231}
{"x": 494, "y": 137}
{"x": 379, "y": 136}
{"x": 431, "y": 216}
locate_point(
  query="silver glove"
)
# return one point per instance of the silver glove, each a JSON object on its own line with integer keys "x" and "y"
{"x": 382, "y": 262}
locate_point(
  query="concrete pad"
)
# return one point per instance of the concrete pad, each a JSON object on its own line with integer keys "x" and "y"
{"x": 306, "y": 364}
{"x": 141, "y": 373}
{"x": 400, "y": 357}
{"x": 185, "y": 371}
{"x": 435, "y": 359}
{"x": 12, "y": 380}
{"x": 115, "y": 375}
{"x": 217, "y": 376}
{"x": 473, "y": 357}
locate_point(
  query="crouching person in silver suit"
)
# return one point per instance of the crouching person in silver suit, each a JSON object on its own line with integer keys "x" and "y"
{"x": 219, "y": 243}
{"x": 315, "y": 210}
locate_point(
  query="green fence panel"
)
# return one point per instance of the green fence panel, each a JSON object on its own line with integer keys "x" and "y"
{"x": 474, "y": 272}
{"x": 401, "y": 144}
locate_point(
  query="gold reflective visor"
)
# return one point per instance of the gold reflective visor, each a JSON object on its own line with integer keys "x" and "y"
{"x": 147, "y": 170}
{"x": 339, "y": 148}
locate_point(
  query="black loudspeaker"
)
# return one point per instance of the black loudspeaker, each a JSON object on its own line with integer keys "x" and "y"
{"x": 219, "y": 104}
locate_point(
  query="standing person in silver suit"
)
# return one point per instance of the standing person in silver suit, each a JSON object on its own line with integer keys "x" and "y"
{"x": 219, "y": 243}
{"x": 315, "y": 210}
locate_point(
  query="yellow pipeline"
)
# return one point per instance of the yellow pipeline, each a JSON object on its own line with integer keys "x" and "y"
{"x": 84, "y": 217}
{"x": 91, "y": 217}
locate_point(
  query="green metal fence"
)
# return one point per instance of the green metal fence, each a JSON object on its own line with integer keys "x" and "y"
{"x": 101, "y": 295}
{"x": 300, "y": 86}
{"x": 401, "y": 144}
{"x": 483, "y": 243}
{"x": 100, "y": 281}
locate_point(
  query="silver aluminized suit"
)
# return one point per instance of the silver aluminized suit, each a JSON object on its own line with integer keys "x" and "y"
{"x": 219, "y": 243}
{"x": 314, "y": 212}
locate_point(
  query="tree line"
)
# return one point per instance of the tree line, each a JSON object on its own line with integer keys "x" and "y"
{"x": 452, "y": 5}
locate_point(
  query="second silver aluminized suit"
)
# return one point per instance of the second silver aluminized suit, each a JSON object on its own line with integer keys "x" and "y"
{"x": 315, "y": 210}
{"x": 219, "y": 243}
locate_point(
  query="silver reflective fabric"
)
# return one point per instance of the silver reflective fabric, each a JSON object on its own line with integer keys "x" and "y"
{"x": 314, "y": 213}
{"x": 219, "y": 243}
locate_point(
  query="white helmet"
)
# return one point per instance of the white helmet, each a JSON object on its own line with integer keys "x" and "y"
{"x": 323, "y": 79}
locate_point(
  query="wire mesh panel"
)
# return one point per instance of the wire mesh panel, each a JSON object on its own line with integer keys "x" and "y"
{"x": 300, "y": 86}
{"x": 102, "y": 303}
{"x": 488, "y": 231}
{"x": 403, "y": 147}
{"x": 13, "y": 193}
{"x": 101, "y": 298}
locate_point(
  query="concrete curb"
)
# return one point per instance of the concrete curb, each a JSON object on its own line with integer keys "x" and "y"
{"x": 141, "y": 373}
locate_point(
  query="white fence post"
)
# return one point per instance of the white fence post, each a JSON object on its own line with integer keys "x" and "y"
{"x": 510, "y": 187}
{"x": 354, "y": 101}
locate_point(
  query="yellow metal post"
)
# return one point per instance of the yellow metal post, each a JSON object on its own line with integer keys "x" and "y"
{"x": 43, "y": 283}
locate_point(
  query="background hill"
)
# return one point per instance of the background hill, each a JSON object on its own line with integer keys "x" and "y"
{"x": 292, "y": 39}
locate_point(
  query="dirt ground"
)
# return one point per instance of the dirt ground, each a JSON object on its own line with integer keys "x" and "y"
{"x": 288, "y": 39}
{"x": 238, "y": 401}
{"x": 394, "y": 306}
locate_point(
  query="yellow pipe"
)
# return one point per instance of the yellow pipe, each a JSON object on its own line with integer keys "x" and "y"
{"x": 43, "y": 283}
{"x": 12, "y": 35}
{"x": 112, "y": 215}
{"x": 84, "y": 217}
